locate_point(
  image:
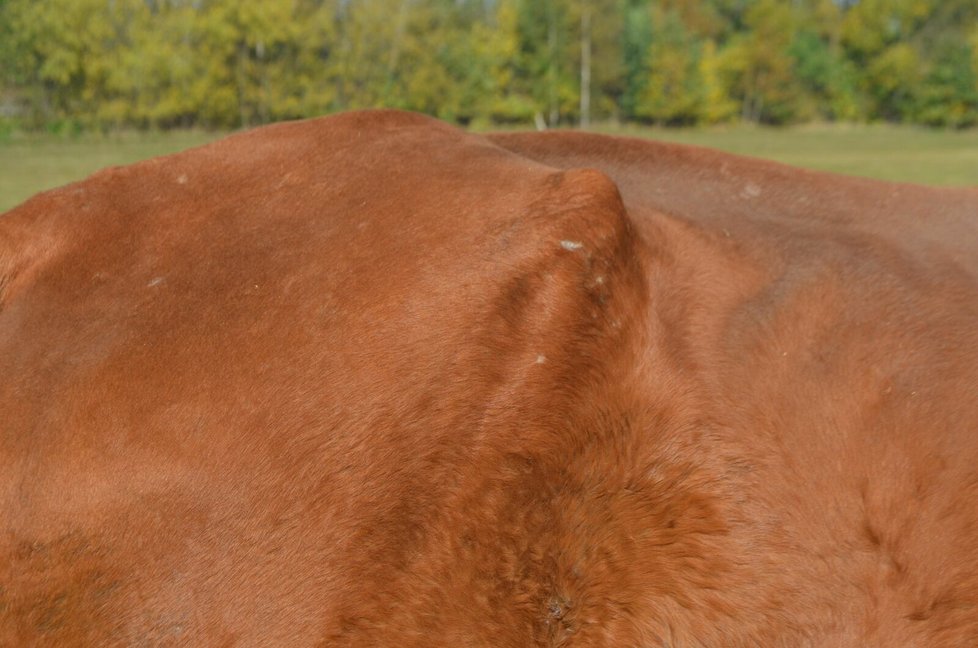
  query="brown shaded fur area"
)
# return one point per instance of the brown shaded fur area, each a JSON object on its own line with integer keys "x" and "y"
{"x": 368, "y": 380}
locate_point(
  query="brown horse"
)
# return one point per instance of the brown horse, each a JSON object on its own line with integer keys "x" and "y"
{"x": 369, "y": 380}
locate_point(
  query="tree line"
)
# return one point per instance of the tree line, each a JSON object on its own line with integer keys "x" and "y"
{"x": 231, "y": 63}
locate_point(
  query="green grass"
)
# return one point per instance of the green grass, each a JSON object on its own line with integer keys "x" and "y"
{"x": 902, "y": 153}
{"x": 33, "y": 163}
{"x": 29, "y": 164}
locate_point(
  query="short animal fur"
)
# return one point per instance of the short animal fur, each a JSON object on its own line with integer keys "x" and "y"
{"x": 369, "y": 380}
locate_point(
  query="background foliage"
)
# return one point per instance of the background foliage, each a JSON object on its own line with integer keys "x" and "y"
{"x": 102, "y": 64}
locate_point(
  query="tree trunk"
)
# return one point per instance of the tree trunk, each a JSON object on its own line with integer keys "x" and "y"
{"x": 585, "y": 65}
{"x": 395, "y": 52}
{"x": 553, "y": 106}
{"x": 240, "y": 82}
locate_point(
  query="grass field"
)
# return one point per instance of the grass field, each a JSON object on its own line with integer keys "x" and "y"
{"x": 902, "y": 153}
{"x": 29, "y": 164}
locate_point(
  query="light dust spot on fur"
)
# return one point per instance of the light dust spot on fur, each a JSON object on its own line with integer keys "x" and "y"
{"x": 541, "y": 359}
{"x": 182, "y": 179}
{"x": 751, "y": 191}
{"x": 156, "y": 281}
{"x": 571, "y": 245}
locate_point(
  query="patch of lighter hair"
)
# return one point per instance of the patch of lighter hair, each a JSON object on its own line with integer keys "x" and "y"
{"x": 751, "y": 191}
{"x": 571, "y": 245}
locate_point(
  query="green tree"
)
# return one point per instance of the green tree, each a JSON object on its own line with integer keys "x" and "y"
{"x": 759, "y": 67}
{"x": 230, "y": 63}
{"x": 496, "y": 43}
{"x": 828, "y": 80}
{"x": 717, "y": 106}
{"x": 546, "y": 74}
{"x": 674, "y": 89}
{"x": 948, "y": 94}
{"x": 892, "y": 81}
{"x": 636, "y": 43}
{"x": 63, "y": 52}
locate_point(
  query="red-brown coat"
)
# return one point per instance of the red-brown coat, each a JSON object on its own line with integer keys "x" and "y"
{"x": 369, "y": 380}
